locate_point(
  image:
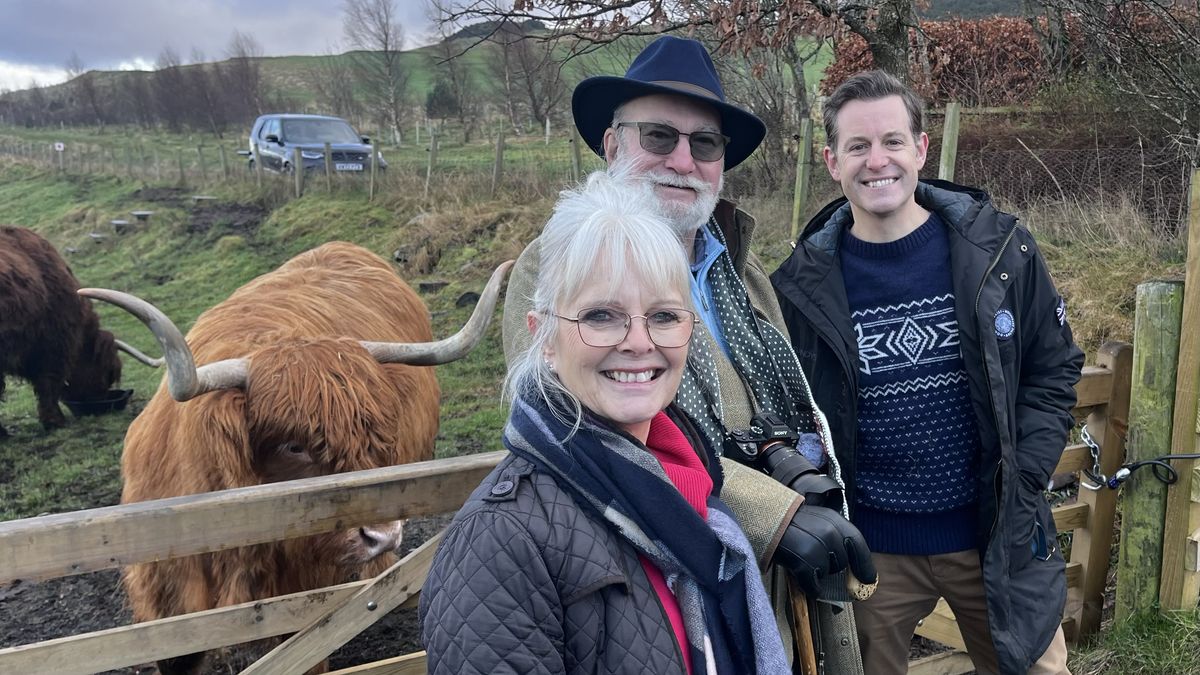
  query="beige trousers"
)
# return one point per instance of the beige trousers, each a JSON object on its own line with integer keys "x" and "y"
{"x": 909, "y": 588}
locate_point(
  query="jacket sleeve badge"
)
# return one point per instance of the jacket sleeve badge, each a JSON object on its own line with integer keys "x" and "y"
{"x": 1005, "y": 324}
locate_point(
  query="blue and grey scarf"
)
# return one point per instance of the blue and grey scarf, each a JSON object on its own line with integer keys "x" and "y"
{"x": 728, "y": 620}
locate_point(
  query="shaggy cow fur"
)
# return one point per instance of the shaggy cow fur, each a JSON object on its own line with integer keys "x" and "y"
{"x": 49, "y": 335}
{"x": 316, "y": 403}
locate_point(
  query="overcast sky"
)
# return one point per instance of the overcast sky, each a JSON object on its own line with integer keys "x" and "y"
{"x": 37, "y": 37}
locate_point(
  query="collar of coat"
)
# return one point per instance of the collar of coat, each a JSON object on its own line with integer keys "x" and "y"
{"x": 958, "y": 205}
{"x": 738, "y": 228}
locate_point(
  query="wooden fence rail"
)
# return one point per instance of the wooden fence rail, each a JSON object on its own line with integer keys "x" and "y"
{"x": 74, "y": 543}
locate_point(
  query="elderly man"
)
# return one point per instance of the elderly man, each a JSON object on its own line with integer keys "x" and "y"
{"x": 667, "y": 121}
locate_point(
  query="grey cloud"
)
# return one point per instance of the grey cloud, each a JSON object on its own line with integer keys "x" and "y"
{"x": 105, "y": 33}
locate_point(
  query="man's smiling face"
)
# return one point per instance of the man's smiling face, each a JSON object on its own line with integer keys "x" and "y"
{"x": 687, "y": 188}
{"x": 877, "y": 161}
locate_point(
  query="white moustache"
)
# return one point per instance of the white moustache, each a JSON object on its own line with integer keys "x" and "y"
{"x": 675, "y": 180}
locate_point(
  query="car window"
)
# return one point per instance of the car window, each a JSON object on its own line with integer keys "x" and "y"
{"x": 271, "y": 127}
{"x": 318, "y": 131}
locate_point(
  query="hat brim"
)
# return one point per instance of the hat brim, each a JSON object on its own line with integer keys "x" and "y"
{"x": 596, "y": 98}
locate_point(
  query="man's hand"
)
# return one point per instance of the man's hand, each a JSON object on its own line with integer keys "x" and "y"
{"x": 818, "y": 543}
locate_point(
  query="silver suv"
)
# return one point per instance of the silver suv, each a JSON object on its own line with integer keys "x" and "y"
{"x": 278, "y": 135}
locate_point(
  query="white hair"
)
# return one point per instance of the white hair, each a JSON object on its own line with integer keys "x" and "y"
{"x": 609, "y": 221}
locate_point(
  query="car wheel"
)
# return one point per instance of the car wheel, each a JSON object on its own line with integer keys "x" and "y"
{"x": 250, "y": 166}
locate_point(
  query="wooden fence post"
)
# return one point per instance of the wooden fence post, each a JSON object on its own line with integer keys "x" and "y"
{"x": 298, "y": 170}
{"x": 1152, "y": 397}
{"x": 157, "y": 166}
{"x": 547, "y": 141}
{"x": 803, "y": 173}
{"x": 224, "y": 162}
{"x": 949, "y": 141}
{"x": 1090, "y": 545}
{"x": 1180, "y": 576}
{"x": 576, "y": 160}
{"x": 182, "y": 178}
{"x": 258, "y": 168}
{"x": 200, "y": 163}
{"x": 329, "y": 166}
{"x": 374, "y": 170}
{"x": 433, "y": 143}
{"x": 498, "y": 166}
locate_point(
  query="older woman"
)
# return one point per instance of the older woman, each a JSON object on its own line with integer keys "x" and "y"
{"x": 599, "y": 545}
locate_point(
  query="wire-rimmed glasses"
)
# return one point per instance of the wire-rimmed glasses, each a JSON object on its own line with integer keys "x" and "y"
{"x": 668, "y": 327}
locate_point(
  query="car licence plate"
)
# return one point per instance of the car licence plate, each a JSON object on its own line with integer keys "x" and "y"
{"x": 348, "y": 166}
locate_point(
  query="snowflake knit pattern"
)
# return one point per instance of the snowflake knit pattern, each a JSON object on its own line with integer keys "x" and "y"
{"x": 918, "y": 445}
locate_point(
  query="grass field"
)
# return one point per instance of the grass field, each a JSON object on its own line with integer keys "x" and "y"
{"x": 189, "y": 257}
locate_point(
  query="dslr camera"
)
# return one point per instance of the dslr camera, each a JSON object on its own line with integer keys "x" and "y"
{"x": 769, "y": 445}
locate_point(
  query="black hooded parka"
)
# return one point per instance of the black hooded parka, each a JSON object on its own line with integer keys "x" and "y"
{"x": 1021, "y": 384}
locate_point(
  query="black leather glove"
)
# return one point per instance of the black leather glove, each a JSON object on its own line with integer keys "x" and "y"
{"x": 818, "y": 543}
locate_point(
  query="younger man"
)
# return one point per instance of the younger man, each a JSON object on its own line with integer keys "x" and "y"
{"x": 934, "y": 339}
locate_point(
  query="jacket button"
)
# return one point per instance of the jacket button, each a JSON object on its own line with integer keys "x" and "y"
{"x": 1004, "y": 276}
{"x": 1024, "y": 248}
{"x": 502, "y": 488}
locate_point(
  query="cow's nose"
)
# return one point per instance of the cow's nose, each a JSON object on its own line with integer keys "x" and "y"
{"x": 380, "y": 539}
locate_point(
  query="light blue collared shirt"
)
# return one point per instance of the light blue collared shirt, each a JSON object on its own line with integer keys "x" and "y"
{"x": 707, "y": 249}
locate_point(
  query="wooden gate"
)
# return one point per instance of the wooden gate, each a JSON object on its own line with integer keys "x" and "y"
{"x": 35, "y": 549}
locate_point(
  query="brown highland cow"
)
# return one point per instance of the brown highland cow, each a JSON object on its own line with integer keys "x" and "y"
{"x": 49, "y": 335}
{"x": 305, "y": 374}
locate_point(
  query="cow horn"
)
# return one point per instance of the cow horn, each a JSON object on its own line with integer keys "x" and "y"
{"x": 184, "y": 380}
{"x": 138, "y": 355}
{"x": 454, "y": 347}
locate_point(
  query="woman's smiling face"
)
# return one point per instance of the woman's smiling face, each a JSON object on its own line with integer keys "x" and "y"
{"x": 633, "y": 381}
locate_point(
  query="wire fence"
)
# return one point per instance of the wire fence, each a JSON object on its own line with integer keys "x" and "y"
{"x": 1153, "y": 179}
{"x": 524, "y": 168}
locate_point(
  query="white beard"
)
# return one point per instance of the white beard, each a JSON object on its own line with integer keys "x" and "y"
{"x": 684, "y": 218}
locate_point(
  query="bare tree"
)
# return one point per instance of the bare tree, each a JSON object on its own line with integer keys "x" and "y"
{"x": 370, "y": 26}
{"x": 208, "y": 106}
{"x": 737, "y": 26}
{"x": 540, "y": 76}
{"x": 745, "y": 28}
{"x": 454, "y": 70}
{"x": 170, "y": 89}
{"x": 331, "y": 78}
{"x": 83, "y": 86}
{"x": 135, "y": 97}
{"x": 242, "y": 77}
{"x": 501, "y": 64}
{"x": 1150, "y": 50}
{"x": 529, "y": 80}
{"x": 761, "y": 81}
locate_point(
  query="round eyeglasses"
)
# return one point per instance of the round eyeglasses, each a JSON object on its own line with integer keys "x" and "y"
{"x": 606, "y": 327}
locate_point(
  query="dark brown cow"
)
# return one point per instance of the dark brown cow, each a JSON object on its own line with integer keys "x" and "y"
{"x": 49, "y": 335}
{"x": 305, "y": 374}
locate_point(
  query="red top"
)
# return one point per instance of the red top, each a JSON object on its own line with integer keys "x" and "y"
{"x": 683, "y": 466}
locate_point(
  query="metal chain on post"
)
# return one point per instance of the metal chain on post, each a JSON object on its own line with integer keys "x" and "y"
{"x": 1094, "y": 473}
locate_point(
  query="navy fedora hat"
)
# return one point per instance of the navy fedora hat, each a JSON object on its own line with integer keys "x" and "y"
{"x": 669, "y": 65}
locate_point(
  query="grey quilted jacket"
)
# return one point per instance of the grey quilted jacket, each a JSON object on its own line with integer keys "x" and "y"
{"x": 527, "y": 582}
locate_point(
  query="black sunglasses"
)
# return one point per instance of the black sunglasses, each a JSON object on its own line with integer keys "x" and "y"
{"x": 661, "y": 139}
